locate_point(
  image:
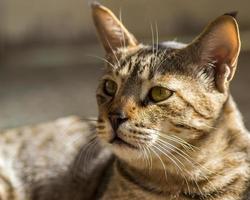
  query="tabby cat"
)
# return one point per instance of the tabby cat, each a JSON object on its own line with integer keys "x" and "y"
{"x": 168, "y": 127}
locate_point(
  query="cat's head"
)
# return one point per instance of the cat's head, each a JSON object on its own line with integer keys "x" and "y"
{"x": 163, "y": 96}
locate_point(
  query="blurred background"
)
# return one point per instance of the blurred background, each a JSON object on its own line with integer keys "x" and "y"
{"x": 46, "y": 47}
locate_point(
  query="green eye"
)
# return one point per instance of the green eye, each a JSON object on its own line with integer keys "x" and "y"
{"x": 158, "y": 94}
{"x": 110, "y": 87}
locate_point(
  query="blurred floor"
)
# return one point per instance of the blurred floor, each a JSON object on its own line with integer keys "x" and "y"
{"x": 31, "y": 93}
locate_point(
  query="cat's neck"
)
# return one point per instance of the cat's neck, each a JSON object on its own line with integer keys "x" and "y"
{"x": 222, "y": 154}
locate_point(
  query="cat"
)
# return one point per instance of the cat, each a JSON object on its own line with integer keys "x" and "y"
{"x": 167, "y": 128}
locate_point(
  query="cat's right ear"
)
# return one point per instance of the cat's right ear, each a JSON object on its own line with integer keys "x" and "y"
{"x": 111, "y": 31}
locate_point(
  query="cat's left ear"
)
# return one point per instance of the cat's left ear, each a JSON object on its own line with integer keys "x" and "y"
{"x": 111, "y": 31}
{"x": 220, "y": 43}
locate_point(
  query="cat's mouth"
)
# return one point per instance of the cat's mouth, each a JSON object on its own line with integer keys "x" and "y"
{"x": 119, "y": 141}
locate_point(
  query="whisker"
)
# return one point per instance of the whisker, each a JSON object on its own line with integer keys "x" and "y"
{"x": 153, "y": 45}
{"x": 181, "y": 170}
{"x": 146, "y": 156}
{"x": 191, "y": 161}
{"x": 179, "y": 162}
{"x": 169, "y": 148}
{"x": 189, "y": 191}
{"x": 186, "y": 156}
{"x": 71, "y": 143}
{"x": 102, "y": 59}
{"x": 190, "y": 145}
{"x": 84, "y": 150}
{"x": 178, "y": 140}
{"x": 150, "y": 157}
{"x": 89, "y": 150}
{"x": 173, "y": 138}
{"x": 113, "y": 52}
{"x": 64, "y": 132}
{"x": 163, "y": 165}
{"x": 198, "y": 187}
{"x": 78, "y": 161}
{"x": 183, "y": 154}
{"x": 169, "y": 157}
{"x": 89, "y": 119}
{"x": 153, "y": 38}
{"x": 157, "y": 37}
{"x": 123, "y": 42}
{"x": 179, "y": 153}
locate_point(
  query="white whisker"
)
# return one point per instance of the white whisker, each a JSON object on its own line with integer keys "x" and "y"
{"x": 102, "y": 59}
{"x": 163, "y": 165}
{"x": 123, "y": 42}
{"x": 153, "y": 38}
{"x": 183, "y": 175}
{"x": 113, "y": 52}
{"x": 157, "y": 37}
{"x": 168, "y": 156}
{"x": 187, "y": 158}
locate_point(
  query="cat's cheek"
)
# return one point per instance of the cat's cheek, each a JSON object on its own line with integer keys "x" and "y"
{"x": 106, "y": 135}
{"x": 105, "y": 138}
{"x": 101, "y": 99}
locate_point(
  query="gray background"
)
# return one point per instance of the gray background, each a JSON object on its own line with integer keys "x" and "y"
{"x": 47, "y": 68}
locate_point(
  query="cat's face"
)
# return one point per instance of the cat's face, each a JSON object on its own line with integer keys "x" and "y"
{"x": 159, "y": 98}
{"x": 150, "y": 99}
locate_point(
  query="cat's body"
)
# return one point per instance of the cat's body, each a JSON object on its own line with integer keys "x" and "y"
{"x": 227, "y": 155}
{"x": 221, "y": 172}
{"x": 39, "y": 165}
{"x": 40, "y": 161}
{"x": 168, "y": 126}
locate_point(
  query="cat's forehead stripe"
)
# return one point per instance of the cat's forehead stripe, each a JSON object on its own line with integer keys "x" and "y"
{"x": 143, "y": 63}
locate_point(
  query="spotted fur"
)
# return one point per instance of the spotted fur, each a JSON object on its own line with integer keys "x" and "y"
{"x": 45, "y": 161}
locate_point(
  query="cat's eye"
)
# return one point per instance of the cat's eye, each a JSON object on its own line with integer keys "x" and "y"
{"x": 110, "y": 87}
{"x": 158, "y": 94}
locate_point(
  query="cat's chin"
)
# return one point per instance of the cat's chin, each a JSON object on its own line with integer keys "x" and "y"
{"x": 120, "y": 147}
{"x": 117, "y": 141}
{"x": 124, "y": 150}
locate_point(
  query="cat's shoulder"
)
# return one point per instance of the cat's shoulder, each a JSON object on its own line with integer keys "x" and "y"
{"x": 60, "y": 127}
{"x": 59, "y": 138}
{"x": 36, "y": 153}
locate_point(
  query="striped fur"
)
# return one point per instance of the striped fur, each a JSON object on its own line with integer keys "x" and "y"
{"x": 191, "y": 145}
{"x": 210, "y": 124}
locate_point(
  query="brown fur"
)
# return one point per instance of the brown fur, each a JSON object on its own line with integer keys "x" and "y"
{"x": 191, "y": 145}
{"x": 194, "y": 144}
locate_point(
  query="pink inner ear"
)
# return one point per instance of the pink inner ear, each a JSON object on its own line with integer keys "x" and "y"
{"x": 227, "y": 43}
{"x": 222, "y": 55}
{"x": 112, "y": 32}
{"x": 220, "y": 42}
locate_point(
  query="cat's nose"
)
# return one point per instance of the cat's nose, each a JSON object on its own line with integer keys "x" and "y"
{"x": 117, "y": 118}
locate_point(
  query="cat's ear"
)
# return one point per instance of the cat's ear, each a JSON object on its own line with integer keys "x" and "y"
{"x": 220, "y": 43}
{"x": 111, "y": 31}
